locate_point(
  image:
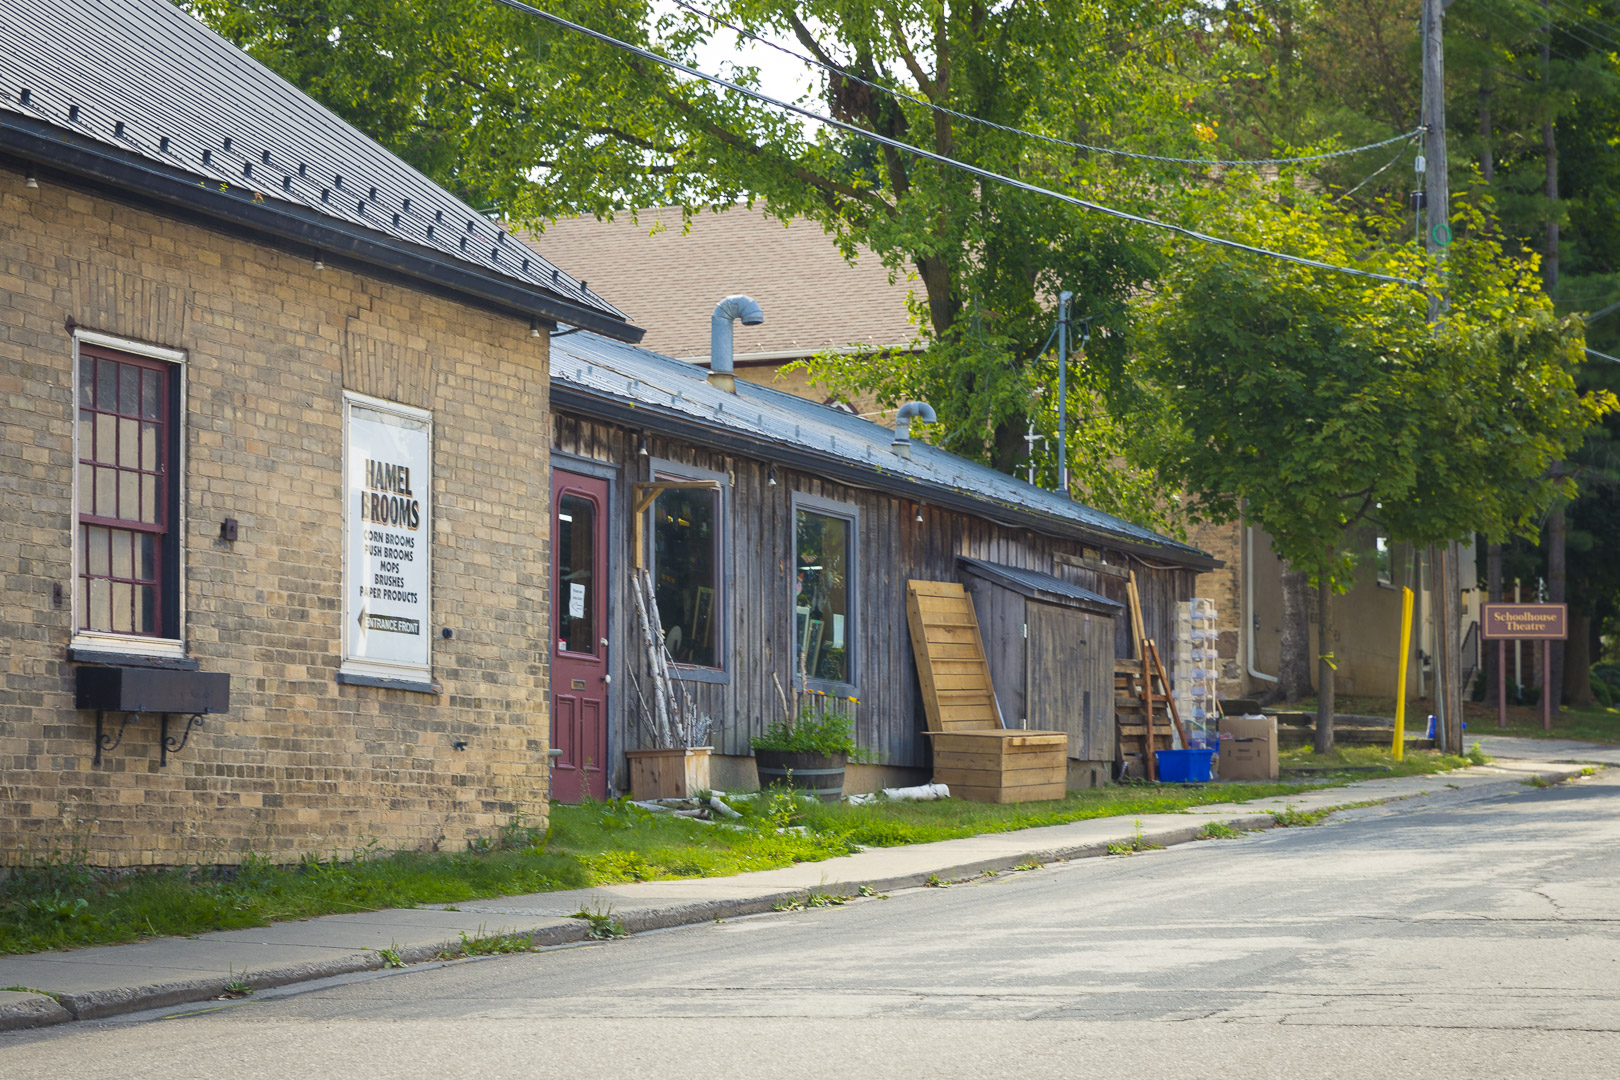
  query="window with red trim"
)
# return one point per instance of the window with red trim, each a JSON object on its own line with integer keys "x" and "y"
{"x": 127, "y": 500}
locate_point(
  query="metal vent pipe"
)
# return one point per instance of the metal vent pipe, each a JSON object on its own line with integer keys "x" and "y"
{"x": 911, "y": 410}
{"x": 726, "y": 312}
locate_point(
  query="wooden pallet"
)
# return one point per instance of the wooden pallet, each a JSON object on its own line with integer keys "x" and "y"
{"x": 1129, "y": 716}
{"x": 973, "y": 754}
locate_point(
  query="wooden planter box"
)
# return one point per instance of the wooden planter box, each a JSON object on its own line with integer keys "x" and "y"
{"x": 668, "y": 774}
{"x": 1002, "y": 766}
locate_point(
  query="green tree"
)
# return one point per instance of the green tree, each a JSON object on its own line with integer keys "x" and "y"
{"x": 1314, "y": 403}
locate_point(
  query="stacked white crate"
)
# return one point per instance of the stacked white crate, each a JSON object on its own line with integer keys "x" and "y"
{"x": 1197, "y": 660}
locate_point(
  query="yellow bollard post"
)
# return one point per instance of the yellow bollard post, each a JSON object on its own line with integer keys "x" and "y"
{"x": 1399, "y": 748}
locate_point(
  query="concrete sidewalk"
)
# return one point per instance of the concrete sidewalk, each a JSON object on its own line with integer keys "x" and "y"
{"x": 110, "y": 980}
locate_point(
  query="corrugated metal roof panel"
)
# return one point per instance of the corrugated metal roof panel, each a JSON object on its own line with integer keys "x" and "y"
{"x": 612, "y": 370}
{"x": 148, "y": 79}
{"x": 1033, "y": 582}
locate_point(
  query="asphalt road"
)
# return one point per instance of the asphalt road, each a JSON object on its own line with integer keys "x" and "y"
{"x": 1474, "y": 940}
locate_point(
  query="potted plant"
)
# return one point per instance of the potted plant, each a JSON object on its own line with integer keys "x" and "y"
{"x": 676, "y": 764}
{"x": 809, "y": 747}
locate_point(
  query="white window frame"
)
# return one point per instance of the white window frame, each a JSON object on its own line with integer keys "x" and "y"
{"x": 107, "y": 641}
{"x": 663, "y": 469}
{"x": 850, "y": 513}
{"x": 409, "y": 675}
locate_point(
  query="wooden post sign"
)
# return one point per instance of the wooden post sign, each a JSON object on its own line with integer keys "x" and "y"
{"x": 1545, "y": 623}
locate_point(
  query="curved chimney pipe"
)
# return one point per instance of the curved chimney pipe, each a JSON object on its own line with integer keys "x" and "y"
{"x": 911, "y": 410}
{"x": 726, "y": 312}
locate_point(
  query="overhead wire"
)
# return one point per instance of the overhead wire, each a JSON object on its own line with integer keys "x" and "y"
{"x": 950, "y": 162}
{"x": 945, "y": 110}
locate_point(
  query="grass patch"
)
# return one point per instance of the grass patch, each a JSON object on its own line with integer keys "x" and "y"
{"x": 1352, "y": 761}
{"x": 1219, "y": 830}
{"x": 59, "y": 903}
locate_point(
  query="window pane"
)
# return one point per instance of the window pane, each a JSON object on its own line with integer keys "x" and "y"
{"x": 129, "y": 390}
{"x": 148, "y": 568}
{"x": 87, "y": 489}
{"x": 686, "y": 554}
{"x": 129, "y": 434}
{"x": 149, "y": 395}
{"x": 87, "y": 380}
{"x": 87, "y": 434}
{"x": 100, "y": 604}
{"x": 122, "y": 607}
{"x": 97, "y": 554}
{"x": 129, "y": 488}
{"x": 106, "y": 502}
{"x": 146, "y": 609}
{"x": 824, "y": 633}
{"x": 149, "y": 447}
{"x": 106, "y": 384}
{"x": 149, "y": 500}
{"x": 576, "y": 583}
{"x": 106, "y": 438}
{"x": 123, "y": 554}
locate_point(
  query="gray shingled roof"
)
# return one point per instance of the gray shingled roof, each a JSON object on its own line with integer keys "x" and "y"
{"x": 150, "y": 81}
{"x": 649, "y": 388}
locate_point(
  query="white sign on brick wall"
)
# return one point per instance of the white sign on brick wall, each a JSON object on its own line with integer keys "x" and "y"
{"x": 387, "y": 525}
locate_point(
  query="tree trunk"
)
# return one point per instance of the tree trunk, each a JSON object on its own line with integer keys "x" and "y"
{"x": 1557, "y": 542}
{"x": 1294, "y": 663}
{"x": 1493, "y": 593}
{"x": 1325, "y": 662}
{"x": 1578, "y": 660}
{"x": 1549, "y": 150}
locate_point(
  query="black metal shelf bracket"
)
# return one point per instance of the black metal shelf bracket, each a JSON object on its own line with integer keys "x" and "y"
{"x": 105, "y": 741}
{"x": 171, "y": 745}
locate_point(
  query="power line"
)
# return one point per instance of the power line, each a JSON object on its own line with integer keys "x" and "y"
{"x": 941, "y": 159}
{"x": 901, "y": 95}
{"x": 1369, "y": 178}
{"x": 1603, "y": 356}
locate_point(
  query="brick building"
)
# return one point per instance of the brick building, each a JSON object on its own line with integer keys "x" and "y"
{"x": 274, "y": 459}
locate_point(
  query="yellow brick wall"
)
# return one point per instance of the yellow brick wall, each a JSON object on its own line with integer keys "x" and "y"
{"x": 1225, "y": 587}
{"x": 301, "y": 763}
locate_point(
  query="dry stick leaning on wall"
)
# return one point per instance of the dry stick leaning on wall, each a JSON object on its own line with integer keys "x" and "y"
{"x": 678, "y": 723}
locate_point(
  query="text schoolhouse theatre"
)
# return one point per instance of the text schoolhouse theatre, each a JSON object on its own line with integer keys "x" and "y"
{"x": 388, "y": 500}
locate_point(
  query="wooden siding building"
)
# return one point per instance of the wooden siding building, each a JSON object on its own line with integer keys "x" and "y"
{"x": 798, "y": 557}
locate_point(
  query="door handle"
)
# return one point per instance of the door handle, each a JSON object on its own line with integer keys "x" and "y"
{"x": 607, "y": 679}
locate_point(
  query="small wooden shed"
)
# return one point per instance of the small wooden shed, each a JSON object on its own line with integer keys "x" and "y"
{"x": 1050, "y": 645}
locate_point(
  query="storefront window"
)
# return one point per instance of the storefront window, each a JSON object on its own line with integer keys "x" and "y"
{"x": 824, "y": 631}
{"x": 686, "y": 560}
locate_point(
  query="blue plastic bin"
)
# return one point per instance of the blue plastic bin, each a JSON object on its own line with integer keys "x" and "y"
{"x": 1184, "y": 766}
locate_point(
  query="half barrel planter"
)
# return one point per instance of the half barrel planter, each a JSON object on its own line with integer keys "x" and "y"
{"x": 821, "y": 775}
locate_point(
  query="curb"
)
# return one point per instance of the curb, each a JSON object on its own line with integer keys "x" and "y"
{"x": 40, "y": 1010}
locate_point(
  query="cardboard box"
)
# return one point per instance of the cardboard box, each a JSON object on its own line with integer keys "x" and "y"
{"x": 1248, "y": 747}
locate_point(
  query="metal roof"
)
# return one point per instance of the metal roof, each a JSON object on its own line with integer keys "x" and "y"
{"x": 1039, "y": 585}
{"x": 640, "y": 388}
{"x": 143, "y": 83}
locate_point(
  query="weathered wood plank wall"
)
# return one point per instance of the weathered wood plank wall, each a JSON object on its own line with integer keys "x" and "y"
{"x": 757, "y": 601}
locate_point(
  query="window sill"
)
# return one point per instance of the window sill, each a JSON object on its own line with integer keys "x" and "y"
{"x": 345, "y": 678}
{"x": 717, "y": 676}
{"x": 81, "y": 655}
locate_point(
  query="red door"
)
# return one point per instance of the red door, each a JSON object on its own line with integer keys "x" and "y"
{"x": 579, "y": 637}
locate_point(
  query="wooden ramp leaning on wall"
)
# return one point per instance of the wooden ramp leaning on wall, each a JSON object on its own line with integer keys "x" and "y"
{"x": 973, "y": 754}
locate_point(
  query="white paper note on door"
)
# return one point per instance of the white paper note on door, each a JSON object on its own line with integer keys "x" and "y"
{"x": 576, "y": 600}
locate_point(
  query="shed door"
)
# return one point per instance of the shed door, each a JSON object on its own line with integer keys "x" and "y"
{"x": 1070, "y": 679}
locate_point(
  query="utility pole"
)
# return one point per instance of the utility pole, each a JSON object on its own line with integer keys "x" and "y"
{"x": 1437, "y": 237}
{"x": 1063, "y": 392}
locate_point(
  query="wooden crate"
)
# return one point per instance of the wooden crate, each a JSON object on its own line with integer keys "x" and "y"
{"x": 1002, "y": 766}
{"x": 668, "y": 774}
{"x": 974, "y": 755}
